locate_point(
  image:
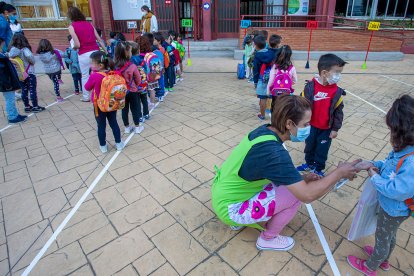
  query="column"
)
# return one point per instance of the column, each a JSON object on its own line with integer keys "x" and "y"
{"x": 206, "y": 8}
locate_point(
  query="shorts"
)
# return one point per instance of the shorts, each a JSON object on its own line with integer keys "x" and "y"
{"x": 261, "y": 90}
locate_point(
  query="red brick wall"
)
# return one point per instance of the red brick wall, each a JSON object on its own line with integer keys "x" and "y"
{"x": 58, "y": 38}
{"x": 331, "y": 40}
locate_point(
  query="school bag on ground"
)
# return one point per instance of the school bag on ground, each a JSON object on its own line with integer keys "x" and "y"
{"x": 241, "y": 70}
{"x": 19, "y": 65}
{"x": 113, "y": 92}
{"x": 282, "y": 83}
{"x": 154, "y": 67}
{"x": 365, "y": 219}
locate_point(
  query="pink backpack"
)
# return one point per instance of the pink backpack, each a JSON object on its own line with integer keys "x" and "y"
{"x": 283, "y": 82}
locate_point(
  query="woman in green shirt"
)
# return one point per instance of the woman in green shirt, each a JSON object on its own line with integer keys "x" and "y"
{"x": 259, "y": 183}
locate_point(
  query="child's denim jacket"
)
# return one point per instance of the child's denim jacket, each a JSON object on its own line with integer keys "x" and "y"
{"x": 394, "y": 188}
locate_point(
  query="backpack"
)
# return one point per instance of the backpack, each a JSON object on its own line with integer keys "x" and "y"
{"x": 19, "y": 65}
{"x": 241, "y": 71}
{"x": 68, "y": 51}
{"x": 154, "y": 67}
{"x": 265, "y": 72}
{"x": 177, "y": 57}
{"x": 166, "y": 58}
{"x": 143, "y": 86}
{"x": 282, "y": 83}
{"x": 113, "y": 92}
{"x": 60, "y": 59}
{"x": 409, "y": 202}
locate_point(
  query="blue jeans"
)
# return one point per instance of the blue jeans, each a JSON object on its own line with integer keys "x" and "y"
{"x": 77, "y": 81}
{"x": 169, "y": 77}
{"x": 11, "y": 109}
{"x": 101, "y": 121}
{"x": 160, "y": 92}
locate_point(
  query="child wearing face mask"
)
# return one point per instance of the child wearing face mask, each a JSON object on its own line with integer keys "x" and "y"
{"x": 327, "y": 112}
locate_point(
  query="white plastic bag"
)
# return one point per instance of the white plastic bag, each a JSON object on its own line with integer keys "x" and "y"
{"x": 365, "y": 219}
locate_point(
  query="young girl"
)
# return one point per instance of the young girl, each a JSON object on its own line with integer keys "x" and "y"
{"x": 101, "y": 64}
{"x": 392, "y": 179}
{"x": 51, "y": 59}
{"x": 20, "y": 48}
{"x": 181, "y": 48}
{"x": 282, "y": 76}
{"x": 248, "y": 49}
{"x": 132, "y": 77}
{"x": 139, "y": 61}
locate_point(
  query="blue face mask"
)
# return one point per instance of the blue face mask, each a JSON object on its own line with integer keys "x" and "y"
{"x": 301, "y": 135}
{"x": 12, "y": 18}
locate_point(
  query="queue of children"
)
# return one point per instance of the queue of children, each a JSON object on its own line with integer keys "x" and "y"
{"x": 137, "y": 70}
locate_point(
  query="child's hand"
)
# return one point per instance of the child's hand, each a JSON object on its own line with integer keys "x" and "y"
{"x": 373, "y": 171}
{"x": 333, "y": 134}
{"x": 364, "y": 165}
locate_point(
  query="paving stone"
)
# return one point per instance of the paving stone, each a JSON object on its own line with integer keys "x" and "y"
{"x": 158, "y": 224}
{"x": 183, "y": 252}
{"x": 2, "y": 234}
{"x": 207, "y": 160}
{"x": 21, "y": 210}
{"x": 166, "y": 269}
{"x": 75, "y": 161}
{"x": 267, "y": 263}
{"x": 98, "y": 238}
{"x": 15, "y": 156}
{"x": 83, "y": 271}
{"x": 193, "y": 166}
{"x": 3, "y": 252}
{"x": 189, "y": 133}
{"x": 127, "y": 271}
{"x": 328, "y": 216}
{"x": 203, "y": 175}
{"x": 41, "y": 167}
{"x": 177, "y": 146}
{"x": 193, "y": 151}
{"x": 203, "y": 192}
{"x": 135, "y": 214}
{"x": 172, "y": 163}
{"x": 213, "y": 145}
{"x": 343, "y": 200}
{"x": 240, "y": 250}
{"x": 61, "y": 262}
{"x": 110, "y": 200}
{"x": 183, "y": 180}
{"x": 4, "y": 267}
{"x": 130, "y": 170}
{"x": 120, "y": 252}
{"x": 402, "y": 260}
{"x": 52, "y": 203}
{"x": 149, "y": 262}
{"x": 158, "y": 186}
{"x": 295, "y": 267}
{"x": 141, "y": 150}
{"x": 15, "y": 186}
{"x": 189, "y": 212}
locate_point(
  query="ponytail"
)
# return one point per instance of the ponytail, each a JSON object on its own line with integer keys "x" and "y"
{"x": 102, "y": 58}
{"x": 283, "y": 61}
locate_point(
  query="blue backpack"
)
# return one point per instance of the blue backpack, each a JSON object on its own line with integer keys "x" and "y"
{"x": 241, "y": 70}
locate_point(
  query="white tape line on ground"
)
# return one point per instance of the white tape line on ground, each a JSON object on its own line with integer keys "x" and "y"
{"x": 78, "y": 204}
{"x": 323, "y": 241}
{"x": 403, "y": 82}
{"x": 365, "y": 101}
{"x": 31, "y": 114}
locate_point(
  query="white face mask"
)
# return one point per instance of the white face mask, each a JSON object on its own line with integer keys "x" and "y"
{"x": 144, "y": 12}
{"x": 334, "y": 78}
{"x": 72, "y": 43}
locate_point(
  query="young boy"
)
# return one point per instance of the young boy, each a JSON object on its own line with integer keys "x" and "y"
{"x": 72, "y": 62}
{"x": 275, "y": 42}
{"x": 169, "y": 72}
{"x": 327, "y": 112}
{"x": 160, "y": 91}
{"x": 261, "y": 68}
{"x": 248, "y": 51}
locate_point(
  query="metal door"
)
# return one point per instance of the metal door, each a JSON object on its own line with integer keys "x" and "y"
{"x": 165, "y": 14}
{"x": 226, "y": 18}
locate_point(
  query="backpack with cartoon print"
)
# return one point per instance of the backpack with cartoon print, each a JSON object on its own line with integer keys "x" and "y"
{"x": 283, "y": 82}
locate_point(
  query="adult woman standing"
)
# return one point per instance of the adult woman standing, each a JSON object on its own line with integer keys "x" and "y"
{"x": 84, "y": 37}
{"x": 259, "y": 183}
{"x": 149, "y": 22}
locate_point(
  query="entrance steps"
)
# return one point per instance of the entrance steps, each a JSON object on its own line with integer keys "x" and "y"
{"x": 214, "y": 48}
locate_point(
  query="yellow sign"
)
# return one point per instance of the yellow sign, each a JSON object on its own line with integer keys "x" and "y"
{"x": 374, "y": 26}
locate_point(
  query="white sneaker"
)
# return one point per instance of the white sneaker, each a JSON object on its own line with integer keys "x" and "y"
{"x": 18, "y": 96}
{"x": 181, "y": 79}
{"x": 120, "y": 146}
{"x": 128, "y": 129}
{"x": 279, "y": 243}
{"x": 161, "y": 99}
{"x": 104, "y": 149}
{"x": 236, "y": 228}
{"x": 139, "y": 129}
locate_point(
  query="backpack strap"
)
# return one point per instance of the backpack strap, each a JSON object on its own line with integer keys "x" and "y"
{"x": 409, "y": 202}
{"x": 95, "y": 98}
{"x": 59, "y": 58}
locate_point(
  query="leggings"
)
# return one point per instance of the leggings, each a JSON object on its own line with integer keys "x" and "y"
{"x": 385, "y": 238}
{"x": 29, "y": 86}
{"x": 55, "y": 77}
{"x": 101, "y": 121}
{"x": 131, "y": 102}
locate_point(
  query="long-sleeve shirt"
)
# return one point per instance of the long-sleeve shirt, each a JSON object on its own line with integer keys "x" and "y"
{"x": 26, "y": 56}
{"x": 51, "y": 61}
{"x": 94, "y": 84}
{"x": 71, "y": 57}
{"x": 5, "y": 31}
{"x": 131, "y": 76}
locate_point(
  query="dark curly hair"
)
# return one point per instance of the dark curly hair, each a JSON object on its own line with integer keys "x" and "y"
{"x": 19, "y": 41}
{"x": 74, "y": 14}
{"x": 400, "y": 121}
{"x": 144, "y": 44}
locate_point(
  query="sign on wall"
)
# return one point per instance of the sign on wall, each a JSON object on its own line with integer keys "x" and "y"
{"x": 298, "y": 7}
{"x": 128, "y": 9}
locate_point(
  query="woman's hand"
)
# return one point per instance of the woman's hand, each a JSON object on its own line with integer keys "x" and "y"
{"x": 348, "y": 170}
{"x": 373, "y": 171}
{"x": 311, "y": 177}
{"x": 364, "y": 165}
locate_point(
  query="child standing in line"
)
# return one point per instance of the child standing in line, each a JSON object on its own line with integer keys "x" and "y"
{"x": 182, "y": 54}
{"x": 160, "y": 91}
{"x": 51, "y": 59}
{"x": 327, "y": 112}
{"x": 275, "y": 42}
{"x": 248, "y": 51}
{"x": 282, "y": 76}
{"x": 177, "y": 49}
{"x": 261, "y": 68}
{"x": 132, "y": 77}
{"x": 100, "y": 65}
{"x": 71, "y": 59}
{"x": 139, "y": 61}
{"x": 392, "y": 178}
{"x": 169, "y": 72}
{"x": 20, "y": 48}
{"x": 158, "y": 39}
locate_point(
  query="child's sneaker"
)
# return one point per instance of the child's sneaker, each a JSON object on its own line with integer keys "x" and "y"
{"x": 119, "y": 146}
{"x": 60, "y": 81}
{"x": 320, "y": 173}
{"x": 305, "y": 168}
{"x": 147, "y": 117}
{"x": 261, "y": 118}
{"x": 171, "y": 89}
{"x": 251, "y": 80}
{"x": 59, "y": 99}
{"x": 369, "y": 250}
{"x": 279, "y": 243}
{"x": 181, "y": 79}
{"x": 161, "y": 99}
{"x": 360, "y": 265}
{"x": 104, "y": 149}
{"x": 28, "y": 109}
{"x": 18, "y": 96}
{"x": 139, "y": 129}
{"x": 128, "y": 129}
{"x": 77, "y": 93}
{"x": 236, "y": 228}
{"x": 19, "y": 119}
{"x": 38, "y": 109}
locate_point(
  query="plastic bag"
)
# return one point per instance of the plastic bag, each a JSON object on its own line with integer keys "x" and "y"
{"x": 365, "y": 219}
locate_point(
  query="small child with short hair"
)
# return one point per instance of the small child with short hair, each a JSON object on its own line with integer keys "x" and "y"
{"x": 327, "y": 112}
{"x": 248, "y": 51}
{"x": 52, "y": 61}
{"x": 72, "y": 60}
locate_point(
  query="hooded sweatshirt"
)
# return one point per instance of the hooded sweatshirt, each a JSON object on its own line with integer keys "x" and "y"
{"x": 264, "y": 56}
{"x": 26, "y": 56}
{"x": 51, "y": 62}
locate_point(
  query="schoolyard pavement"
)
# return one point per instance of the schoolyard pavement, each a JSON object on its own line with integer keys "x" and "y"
{"x": 150, "y": 213}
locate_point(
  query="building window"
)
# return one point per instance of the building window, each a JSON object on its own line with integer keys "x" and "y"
{"x": 27, "y": 12}
{"x": 359, "y": 8}
{"x": 83, "y": 5}
{"x": 392, "y": 8}
{"x": 377, "y": 8}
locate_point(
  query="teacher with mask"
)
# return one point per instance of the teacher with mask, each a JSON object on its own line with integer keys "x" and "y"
{"x": 259, "y": 182}
{"x": 149, "y": 22}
